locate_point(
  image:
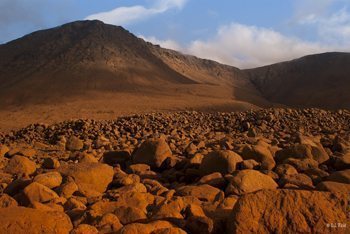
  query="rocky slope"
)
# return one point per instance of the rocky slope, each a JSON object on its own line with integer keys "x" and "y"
{"x": 320, "y": 80}
{"x": 185, "y": 172}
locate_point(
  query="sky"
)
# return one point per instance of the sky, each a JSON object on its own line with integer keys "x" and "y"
{"x": 242, "y": 33}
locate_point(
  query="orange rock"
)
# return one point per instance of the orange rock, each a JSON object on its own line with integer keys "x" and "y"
{"x": 223, "y": 161}
{"x": 152, "y": 152}
{"x": 36, "y": 192}
{"x": 288, "y": 211}
{"x": 94, "y": 176}
{"x": 20, "y": 165}
{"x": 26, "y": 220}
{"x": 7, "y": 201}
{"x": 50, "y": 179}
{"x": 248, "y": 181}
{"x": 202, "y": 192}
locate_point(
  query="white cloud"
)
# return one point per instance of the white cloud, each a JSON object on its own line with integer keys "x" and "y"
{"x": 246, "y": 46}
{"x": 169, "y": 44}
{"x": 127, "y": 15}
{"x": 249, "y": 46}
{"x": 333, "y": 29}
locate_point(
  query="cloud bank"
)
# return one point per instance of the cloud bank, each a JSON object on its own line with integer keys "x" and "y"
{"x": 248, "y": 46}
{"x": 127, "y": 15}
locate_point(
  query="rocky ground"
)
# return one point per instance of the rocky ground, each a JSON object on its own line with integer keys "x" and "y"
{"x": 264, "y": 171}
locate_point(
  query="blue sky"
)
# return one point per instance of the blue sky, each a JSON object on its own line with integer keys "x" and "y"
{"x": 242, "y": 33}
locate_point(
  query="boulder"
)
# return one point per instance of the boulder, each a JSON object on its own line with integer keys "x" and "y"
{"x": 152, "y": 152}
{"x": 319, "y": 154}
{"x": 84, "y": 229}
{"x": 285, "y": 169}
{"x": 108, "y": 223}
{"x": 288, "y": 211}
{"x": 203, "y": 192}
{"x": 7, "y": 201}
{"x": 74, "y": 144}
{"x": 49, "y": 179}
{"x": 169, "y": 209}
{"x": 223, "y": 161}
{"x": 248, "y": 181}
{"x": 116, "y": 157}
{"x": 199, "y": 224}
{"x": 340, "y": 176}
{"x": 129, "y": 214}
{"x": 36, "y": 192}
{"x": 302, "y": 151}
{"x": 302, "y": 181}
{"x": 333, "y": 187}
{"x": 215, "y": 179}
{"x": 51, "y": 163}
{"x": 261, "y": 154}
{"x": 3, "y": 150}
{"x": 145, "y": 228}
{"x": 26, "y": 220}
{"x": 343, "y": 162}
{"x": 94, "y": 176}
{"x": 19, "y": 165}
{"x": 302, "y": 165}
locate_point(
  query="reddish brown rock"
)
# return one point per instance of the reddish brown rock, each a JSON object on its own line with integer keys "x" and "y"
{"x": 19, "y": 165}
{"x": 26, "y": 220}
{"x": 7, "y": 201}
{"x": 152, "y": 152}
{"x": 50, "y": 179}
{"x": 223, "y": 161}
{"x": 261, "y": 154}
{"x": 248, "y": 181}
{"x": 274, "y": 211}
{"x": 202, "y": 192}
{"x": 84, "y": 229}
{"x": 94, "y": 176}
{"x": 36, "y": 192}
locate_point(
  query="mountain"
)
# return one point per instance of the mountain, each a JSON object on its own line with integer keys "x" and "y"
{"x": 321, "y": 80}
{"x": 87, "y": 60}
{"x": 88, "y": 69}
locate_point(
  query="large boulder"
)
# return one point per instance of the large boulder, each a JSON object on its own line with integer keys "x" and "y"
{"x": 19, "y": 165}
{"x": 94, "y": 176}
{"x": 318, "y": 152}
{"x": 306, "y": 149}
{"x": 49, "y": 179}
{"x": 7, "y": 201}
{"x": 36, "y": 192}
{"x": 26, "y": 220}
{"x": 74, "y": 144}
{"x": 340, "y": 176}
{"x": 147, "y": 228}
{"x": 152, "y": 152}
{"x": 203, "y": 192}
{"x": 289, "y": 211}
{"x": 248, "y": 181}
{"x": 223, "y": 161}
{"x": 334, "y": 187}
{"x": 260, "y": 153}
{"x": 3, "y": 150}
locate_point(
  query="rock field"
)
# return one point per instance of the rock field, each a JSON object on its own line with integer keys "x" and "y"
{"x": 262, "y": 171}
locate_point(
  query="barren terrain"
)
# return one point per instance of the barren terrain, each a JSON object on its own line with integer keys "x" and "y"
{"x": 102, "y": 132}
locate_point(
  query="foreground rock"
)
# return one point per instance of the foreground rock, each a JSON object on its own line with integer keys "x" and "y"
{"x": 248, "y": 181}
{"x": 89, "y": 176}
{"x": 263, "y": 171}
{"x": 289, "y": 211}
{"x": 26, "y": 220}
{"x": 152, "y": 152}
